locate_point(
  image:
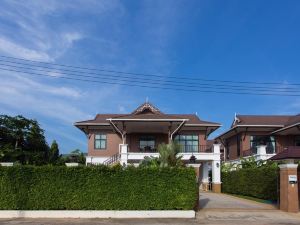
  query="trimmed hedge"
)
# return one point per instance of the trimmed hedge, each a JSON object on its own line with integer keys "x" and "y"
{"x": 255, "y": 182}
{"x": 97, "y": 188}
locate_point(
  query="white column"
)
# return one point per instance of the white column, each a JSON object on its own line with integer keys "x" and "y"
{"x": 216, "y": 165}
{"x": 205, "y": 168}
{"x": 216, "y": 148}
{"x": 124, "y": 154}
{"x": 261, "y": 149}
{"x": 216, "y": 172}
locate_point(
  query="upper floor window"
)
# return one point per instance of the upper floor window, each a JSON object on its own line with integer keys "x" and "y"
{"x": 147, "y": 143}
{"x": 297, "y": 140}
{"x": 238, "y": 145}
{"x": 189, "y": 143}
{"x": 100, "y": 141}
{"x": 269, "y": 141}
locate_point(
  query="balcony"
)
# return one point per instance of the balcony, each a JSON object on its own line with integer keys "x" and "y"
{"x": 282, "y": 148}
{"x": 259, "y": 150}
{"x": 185, "y": 149}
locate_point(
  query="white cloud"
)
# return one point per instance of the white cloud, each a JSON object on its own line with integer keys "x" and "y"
{"x": 13, "y": 82}
{"x": 71, "y": 37}
{"x": 10, "y": 48}
{"x": 33, "y": 37}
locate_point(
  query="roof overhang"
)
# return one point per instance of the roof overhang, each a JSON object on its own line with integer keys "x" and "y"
{"x": 91, "y": 124}
{"x": 291, "y": 129}
{"x": 146, "y": 120}
{"x": 203, "y": 125}
{"x": 291, "y": 152}
{"x": 253, "y": 127}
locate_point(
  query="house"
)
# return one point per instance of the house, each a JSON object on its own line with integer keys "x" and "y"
{"x": 261, "y": 136}
{"x": 129, "y": 138}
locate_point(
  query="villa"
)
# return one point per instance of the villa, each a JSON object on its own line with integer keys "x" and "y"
{"x": 260, "y": 136}
{"x": 129, "y": 138}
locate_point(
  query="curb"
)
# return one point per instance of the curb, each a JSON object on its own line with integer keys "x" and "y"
{"x": 105, "y": 214}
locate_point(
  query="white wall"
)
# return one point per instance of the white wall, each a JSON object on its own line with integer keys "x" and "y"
{"x": 95, "y": 160}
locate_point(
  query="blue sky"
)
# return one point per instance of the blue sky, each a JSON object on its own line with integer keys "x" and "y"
{"x": 254, "y": 41}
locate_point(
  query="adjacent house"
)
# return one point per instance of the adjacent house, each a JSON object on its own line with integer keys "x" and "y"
{"x": 129, "y": 138}
{"x": 261, "y": 136}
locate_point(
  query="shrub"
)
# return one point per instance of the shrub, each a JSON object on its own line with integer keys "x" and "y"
{"x": 258, "y": 182}
{"x": 96, "y": 188}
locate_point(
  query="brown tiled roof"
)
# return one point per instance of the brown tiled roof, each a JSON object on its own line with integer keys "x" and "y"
{"x": 148, "y": 111}
{"x": 192, "y": 119}
{"x": 292, "y": 152}
{"x": 262, "y": 120}
{"x": 293, "y": 120}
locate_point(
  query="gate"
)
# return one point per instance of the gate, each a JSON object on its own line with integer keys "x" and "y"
{"x": 298, "y": 178}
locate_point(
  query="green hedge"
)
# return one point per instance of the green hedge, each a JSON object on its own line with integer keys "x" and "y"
{"x": 97, "y": 188}
{"x": 255, "y": 182}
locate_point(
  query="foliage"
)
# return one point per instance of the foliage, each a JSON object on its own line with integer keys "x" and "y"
{"x": 251, "y": 162}
{"x": 96, "y": 188}
{"x": 54, "y": 153}
{"x": 168, "y": 154}
{"x": 76, "y": 156}
{"x": 22, "y": 140}
{"x": 149, "y": 162}
{"x": 259, "y": 182}
{"x": 227, "y": 167}
{"x": 168, "y": 157}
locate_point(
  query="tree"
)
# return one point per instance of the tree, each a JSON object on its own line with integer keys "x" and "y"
{"x": 77, "y": 156}
{"x": 168, "y": 156}
{"x": 54, "y": 153}
{"x": 149, "y": 162}
{"x": 22, "y": 140}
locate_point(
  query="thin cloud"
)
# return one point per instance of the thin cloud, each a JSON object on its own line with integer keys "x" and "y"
{"x": 10, "y": 48}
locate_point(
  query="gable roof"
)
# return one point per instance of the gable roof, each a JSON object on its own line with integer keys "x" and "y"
{"x": 147, "y": 111}
{"x": 291, "y": 152}
{"x": 261, "y": 120}
{"x": 273, "y": 123}
{"x": 146, "y": 108}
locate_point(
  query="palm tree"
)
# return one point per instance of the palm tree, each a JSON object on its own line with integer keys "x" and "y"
{"x": 168, "y": 154}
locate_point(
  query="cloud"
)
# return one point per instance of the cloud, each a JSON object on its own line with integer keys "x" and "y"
{"x": 14, "y": 82}
{"x": 10, "y": 48}
{"x": 96, "y": 34}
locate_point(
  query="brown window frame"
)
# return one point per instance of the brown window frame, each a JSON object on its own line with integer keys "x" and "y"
{"x": 100, "y": 139}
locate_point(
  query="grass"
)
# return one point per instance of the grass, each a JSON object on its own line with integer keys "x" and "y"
{"x": 253, "y": 199}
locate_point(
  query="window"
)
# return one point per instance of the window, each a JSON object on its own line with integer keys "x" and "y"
{"x": 297, "y": 140}
{"x": 227, "y": 150}
{"x": 238, "y": 145}
{"x": 147, "y": 143}
{"x": 100, "y": 141}
{"x": 189, "y": 143}
{"x": 269, "y": 141}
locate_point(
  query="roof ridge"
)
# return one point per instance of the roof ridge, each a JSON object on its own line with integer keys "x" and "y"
{"x": 263, "y": 115}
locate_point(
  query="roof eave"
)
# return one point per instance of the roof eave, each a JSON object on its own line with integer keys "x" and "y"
{"x": 150, "y": 120}
{"x": 203, "y": 125}
{"x": 286, "y": 128}
{"x": 245, "y": 125}
{"x": 91, "y": 124}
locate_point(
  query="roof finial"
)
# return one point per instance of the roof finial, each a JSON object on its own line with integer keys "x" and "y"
{"x": 147, "y": 99}
{"x": 236, "y": 119}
